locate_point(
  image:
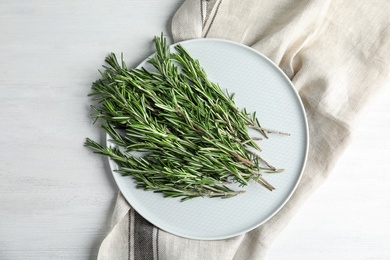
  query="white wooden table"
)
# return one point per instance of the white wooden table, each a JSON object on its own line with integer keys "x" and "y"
{"x": 56, "y": 197}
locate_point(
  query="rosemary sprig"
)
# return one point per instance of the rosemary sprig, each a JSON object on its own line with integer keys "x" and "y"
{"x": 193, "y": 137}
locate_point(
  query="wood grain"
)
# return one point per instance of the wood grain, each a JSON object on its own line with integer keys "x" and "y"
{"x": 56, "y": 197}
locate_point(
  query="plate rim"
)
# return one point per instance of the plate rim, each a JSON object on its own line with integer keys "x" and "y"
{"x": 116, "y": 175}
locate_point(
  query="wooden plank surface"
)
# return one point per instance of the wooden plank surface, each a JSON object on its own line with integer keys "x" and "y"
{"x": 56, "y": 197}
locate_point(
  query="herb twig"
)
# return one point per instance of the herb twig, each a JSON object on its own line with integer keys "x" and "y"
{"x": 193, "y": 137}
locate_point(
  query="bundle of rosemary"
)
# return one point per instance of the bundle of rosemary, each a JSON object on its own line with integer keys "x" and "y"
{"x": 193, "y": 138}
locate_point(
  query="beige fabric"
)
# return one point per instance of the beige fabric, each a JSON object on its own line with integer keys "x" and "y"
{"x": 116, "y": 245}
{"x": 337, "y": 55}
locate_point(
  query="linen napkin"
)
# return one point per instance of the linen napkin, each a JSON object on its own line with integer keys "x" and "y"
{"x": 336, "y": 53}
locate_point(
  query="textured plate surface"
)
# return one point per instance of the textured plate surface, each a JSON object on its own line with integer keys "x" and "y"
{"x": 259, "y": 86}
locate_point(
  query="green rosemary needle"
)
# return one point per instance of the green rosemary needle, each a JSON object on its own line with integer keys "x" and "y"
{"x": 193, "y": 137}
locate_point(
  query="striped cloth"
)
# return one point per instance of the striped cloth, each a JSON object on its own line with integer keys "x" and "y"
{"x": 337, "y": 54}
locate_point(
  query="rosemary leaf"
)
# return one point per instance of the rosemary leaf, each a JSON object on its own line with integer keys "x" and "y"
{"x": 193, "y": 138}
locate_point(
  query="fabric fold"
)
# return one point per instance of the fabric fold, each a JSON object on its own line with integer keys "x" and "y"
{"x": 337, "y": 55}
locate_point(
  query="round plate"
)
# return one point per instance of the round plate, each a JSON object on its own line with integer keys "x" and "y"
{"x": 259, "y": 86}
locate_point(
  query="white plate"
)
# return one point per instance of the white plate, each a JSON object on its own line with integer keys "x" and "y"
{"x": 259, "y": 86}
